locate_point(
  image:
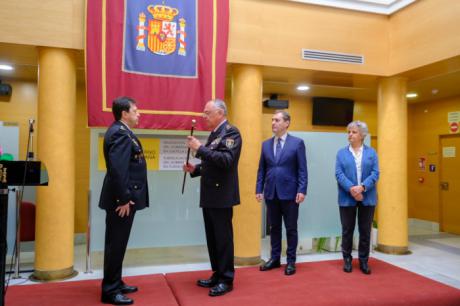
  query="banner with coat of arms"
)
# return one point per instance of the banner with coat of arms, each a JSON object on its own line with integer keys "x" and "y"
{"x": 169, "y": 55}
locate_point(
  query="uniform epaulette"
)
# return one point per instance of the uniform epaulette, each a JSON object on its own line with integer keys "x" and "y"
{"x": 123, "y": 129}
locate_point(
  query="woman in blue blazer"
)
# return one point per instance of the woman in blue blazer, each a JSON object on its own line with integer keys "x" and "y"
{"x": 357, "y": 172}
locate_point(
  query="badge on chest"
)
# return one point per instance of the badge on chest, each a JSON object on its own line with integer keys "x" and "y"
{"x": 215, "y": 143}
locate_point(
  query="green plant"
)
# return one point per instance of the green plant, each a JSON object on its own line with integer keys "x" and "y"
{"x": 321, "y": 242}
{"x": 337, "y": 240}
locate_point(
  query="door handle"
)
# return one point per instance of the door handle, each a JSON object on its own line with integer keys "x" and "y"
{"x": 444, "y": 185}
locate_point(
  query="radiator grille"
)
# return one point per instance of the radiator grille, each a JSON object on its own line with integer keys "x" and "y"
{"x": 327, "y": 56}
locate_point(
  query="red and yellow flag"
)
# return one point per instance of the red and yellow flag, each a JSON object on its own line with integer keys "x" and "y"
{"x": 169, "y": 55}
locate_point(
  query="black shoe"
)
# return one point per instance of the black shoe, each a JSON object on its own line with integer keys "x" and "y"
{"x": 220, "y": 289}
{"x": 116, "y": 299}
{"x": 290, "y": 269}
{"x": 364, "y": 267}
{"x": 207, "y": 283}
{"x": 271, "y": 264}
{"x": 128, "y": 289}
{"x": 347, "y": 266}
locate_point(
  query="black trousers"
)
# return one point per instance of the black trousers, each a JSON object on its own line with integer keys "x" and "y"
{"x": 277, "y": 210}
{"x": 348, "y": 219}
{"x": 117, "y": 232}
{"x": 219, "y": 237}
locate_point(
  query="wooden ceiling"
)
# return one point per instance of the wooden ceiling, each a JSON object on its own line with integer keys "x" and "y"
{"x": 24, "y": 58}
{"x": 432, "y": 82}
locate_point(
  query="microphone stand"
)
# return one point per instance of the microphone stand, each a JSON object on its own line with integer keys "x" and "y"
{"x": 188, "y": 155}
{"x": 19, "y": 197}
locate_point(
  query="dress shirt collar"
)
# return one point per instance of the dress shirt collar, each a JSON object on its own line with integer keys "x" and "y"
{"x": 283, "y": 138}
{"x": 360, "y": 150}
{"x": 217, "y": 127}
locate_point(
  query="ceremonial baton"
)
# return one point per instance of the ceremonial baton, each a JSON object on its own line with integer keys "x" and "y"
{"x": 188, "y": 155}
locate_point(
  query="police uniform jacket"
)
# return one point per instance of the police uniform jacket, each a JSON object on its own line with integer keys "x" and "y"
{"x": 126, "y": 178}
{"x": 219, "y": 168}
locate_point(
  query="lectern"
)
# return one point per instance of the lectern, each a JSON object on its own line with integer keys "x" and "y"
{"x": 15, "y": 173}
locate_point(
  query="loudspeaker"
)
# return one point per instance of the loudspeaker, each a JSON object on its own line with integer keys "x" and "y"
{"x": 278, "y": 104}
{"x": 5, "y": 90}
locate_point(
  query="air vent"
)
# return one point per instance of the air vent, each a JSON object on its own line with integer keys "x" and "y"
{"x": 327, "y": 56}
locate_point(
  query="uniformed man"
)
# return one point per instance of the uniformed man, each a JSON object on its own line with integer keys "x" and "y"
{"x": 124, "y": 192}
{"x": 219, "y": 192}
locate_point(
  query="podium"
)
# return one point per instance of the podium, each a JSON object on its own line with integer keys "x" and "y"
{"x": 15, "y": 173}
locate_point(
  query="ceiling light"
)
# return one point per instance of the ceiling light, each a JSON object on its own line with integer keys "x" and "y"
{"x": 412, "y": 95}
{"x": 303, "y": 88}
{"x": 6, "y": 67}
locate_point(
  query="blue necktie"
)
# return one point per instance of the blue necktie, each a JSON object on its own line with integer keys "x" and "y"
{"x": 278, "y": 149}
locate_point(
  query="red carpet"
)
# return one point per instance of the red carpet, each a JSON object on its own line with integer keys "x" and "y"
{"x": 316, "y": 284}
{"x": 153, "y": 290}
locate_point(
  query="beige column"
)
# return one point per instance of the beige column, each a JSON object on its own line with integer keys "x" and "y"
{"x": 56, "y": 141}
{"x": 246, "y": 107}
{"x": 392, "y": 152}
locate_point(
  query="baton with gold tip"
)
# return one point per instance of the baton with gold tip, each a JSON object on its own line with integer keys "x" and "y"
{"x": 188, "y": 155}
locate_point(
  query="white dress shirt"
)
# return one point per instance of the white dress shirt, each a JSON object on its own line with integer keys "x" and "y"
{"x": 358, "y": 156}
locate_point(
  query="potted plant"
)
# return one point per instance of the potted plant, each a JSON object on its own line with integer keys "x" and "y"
{"x": 374, "y": 234}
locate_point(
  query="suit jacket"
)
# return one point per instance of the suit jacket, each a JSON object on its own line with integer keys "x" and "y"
{"x": 287, "y": 174}
{"x": 345, "y": 173}
{"x": 126, "y": 177}
{"x": 219, "y": 168}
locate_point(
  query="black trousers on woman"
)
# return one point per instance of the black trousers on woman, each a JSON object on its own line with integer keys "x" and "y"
{"x": 348, "y": 219}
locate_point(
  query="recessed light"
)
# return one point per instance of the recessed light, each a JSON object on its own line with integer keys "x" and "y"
{"x": 6, "y": 67}
{"x": 303, "y": 88}
{"x": 412, "y": 95}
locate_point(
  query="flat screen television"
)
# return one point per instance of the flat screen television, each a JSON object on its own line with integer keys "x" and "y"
{"x": 332, "y": 111}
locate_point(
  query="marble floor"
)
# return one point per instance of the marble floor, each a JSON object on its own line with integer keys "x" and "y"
{"x": 434, "y": 254}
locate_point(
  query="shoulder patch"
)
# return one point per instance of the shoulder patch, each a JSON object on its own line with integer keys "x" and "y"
{"x": 229, "y": 143}
{"x": 228, "y": 127}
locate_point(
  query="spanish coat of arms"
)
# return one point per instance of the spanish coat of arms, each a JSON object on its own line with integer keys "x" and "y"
{"x": 163, "y": 33}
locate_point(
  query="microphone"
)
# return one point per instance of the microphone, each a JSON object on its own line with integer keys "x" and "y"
{"x": 31, "y": 125}
{"x": 188, "y": 155}
{"x": 30, "y": 144}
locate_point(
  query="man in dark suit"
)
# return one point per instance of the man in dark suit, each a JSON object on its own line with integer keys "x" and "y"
{"x": 124, "y": 191}
{"x": 282, "y": 181}
{"x": 219, "y": 192}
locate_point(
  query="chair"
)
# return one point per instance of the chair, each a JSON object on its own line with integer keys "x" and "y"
{"x": 27, "y": 221}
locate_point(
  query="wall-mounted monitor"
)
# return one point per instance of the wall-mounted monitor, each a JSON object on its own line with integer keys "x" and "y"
{"x": 332, "y": 111}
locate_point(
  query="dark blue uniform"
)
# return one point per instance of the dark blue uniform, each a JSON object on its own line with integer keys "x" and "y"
{"x": 126, "y": 180}
{"x": 219, "y": 193}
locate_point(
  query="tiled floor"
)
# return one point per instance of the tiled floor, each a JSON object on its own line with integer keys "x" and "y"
{"x": 434, "y": 255}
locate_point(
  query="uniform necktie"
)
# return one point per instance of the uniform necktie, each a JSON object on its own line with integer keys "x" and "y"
{"x": 278, "y": 148}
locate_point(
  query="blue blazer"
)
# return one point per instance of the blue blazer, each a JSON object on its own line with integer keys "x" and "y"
{"x": 288, "y": 175}
{"x": 345, "y": 173}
